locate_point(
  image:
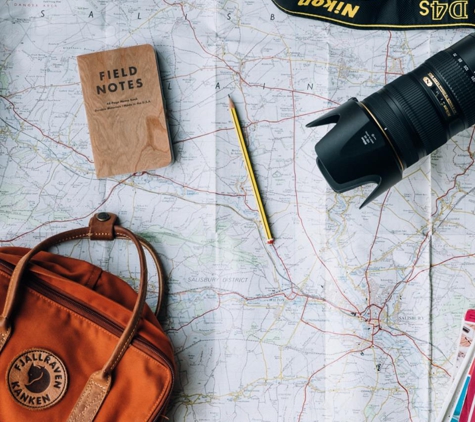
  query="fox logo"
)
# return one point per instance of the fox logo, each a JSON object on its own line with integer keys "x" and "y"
{"x": 37, "y": 379}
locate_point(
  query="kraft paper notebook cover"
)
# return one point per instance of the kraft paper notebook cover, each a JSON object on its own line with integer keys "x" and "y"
{"x": 125, "y": 110}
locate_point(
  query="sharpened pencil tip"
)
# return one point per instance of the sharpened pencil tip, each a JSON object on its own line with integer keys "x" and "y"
{"x": 231, "y": 104}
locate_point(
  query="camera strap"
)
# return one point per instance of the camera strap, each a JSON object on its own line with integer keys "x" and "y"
{"x": 386, "y": 14}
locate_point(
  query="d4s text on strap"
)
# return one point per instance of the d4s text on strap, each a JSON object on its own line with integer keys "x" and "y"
{"x": 386, "y": 14}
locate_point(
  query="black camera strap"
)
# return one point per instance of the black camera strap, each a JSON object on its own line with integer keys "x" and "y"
{"x": 386, "y": 14}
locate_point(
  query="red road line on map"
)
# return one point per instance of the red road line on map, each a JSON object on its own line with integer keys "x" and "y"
{"x": 245, "y": 198}
{"x": 252, "y": 123}
{"x": 418, "y": 255}
{"x": 197, "y": 317}
{"x": 250, "y": 299}
{"x": 321, "y": 369}
{"x": 44, "y": 134}
{"x": 204, "y": 135}
{"x": 370, "y": 305}
{"x": 185, "y": 186}
{"x": 40, "y": 86}
{"x": 71, "y": 219}
{"x": 337, "y": 334}
{"x": 456, "y": 176}
{"x": 327, "y": 269}
{"x": 324, "y": 331}
{"x": 387, "y": 58}
{"x": 397, "y": 380}
{"x": 287, "y": 271}
{"x": 219, "y": 294}
{"x": 408, "y": 279}
{"x": 330, "y": 332}
{"x": 264, "y": 297}
{"x": 417, "y": 347}
{"x": 295, "y": 116}
{"x": 470, "y": 255}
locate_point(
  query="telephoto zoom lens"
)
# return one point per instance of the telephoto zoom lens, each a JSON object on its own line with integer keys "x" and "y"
{"x": 376, "y": 139}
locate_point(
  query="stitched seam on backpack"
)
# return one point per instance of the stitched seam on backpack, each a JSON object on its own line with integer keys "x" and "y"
{"x": 3, "y": 339}
{"x": 94, "y": 405}
{"x": 96, "y": 402}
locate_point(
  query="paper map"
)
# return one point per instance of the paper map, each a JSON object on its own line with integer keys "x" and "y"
{"x": 352, "y": 315}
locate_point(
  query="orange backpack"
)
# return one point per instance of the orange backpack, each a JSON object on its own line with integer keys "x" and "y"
{"x": 77, "y": 343}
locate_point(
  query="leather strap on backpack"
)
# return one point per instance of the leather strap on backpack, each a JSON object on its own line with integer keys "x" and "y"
{"x": 102, "y": 226}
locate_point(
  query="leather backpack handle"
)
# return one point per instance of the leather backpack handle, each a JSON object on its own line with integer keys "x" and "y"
{"x": 102, "y": 226}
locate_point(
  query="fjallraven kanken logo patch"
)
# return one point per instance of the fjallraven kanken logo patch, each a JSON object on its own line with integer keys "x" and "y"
{"x": 37, "y": 379}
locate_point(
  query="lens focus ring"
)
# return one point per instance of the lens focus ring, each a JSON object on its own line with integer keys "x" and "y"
{"x": 411, "y": 97}
{"x": 462, "y": 89}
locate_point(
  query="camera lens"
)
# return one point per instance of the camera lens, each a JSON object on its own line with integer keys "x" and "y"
{"x": 375, "y": 139}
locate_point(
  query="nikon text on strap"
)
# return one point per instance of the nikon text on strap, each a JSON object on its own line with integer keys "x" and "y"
{"x": 386, "y": 14}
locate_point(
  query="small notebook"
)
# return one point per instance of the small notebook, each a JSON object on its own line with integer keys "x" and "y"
{"x": 125, "y": 110}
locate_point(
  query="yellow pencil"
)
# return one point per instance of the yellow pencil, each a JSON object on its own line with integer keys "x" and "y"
{"x": 250, "y": 172}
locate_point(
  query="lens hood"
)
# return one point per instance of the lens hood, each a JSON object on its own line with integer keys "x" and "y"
{"x": 356, "y": 151}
